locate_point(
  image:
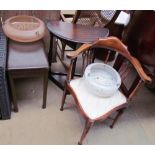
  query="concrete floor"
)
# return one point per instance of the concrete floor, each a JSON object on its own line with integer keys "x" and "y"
{"x": 34, "y": 125}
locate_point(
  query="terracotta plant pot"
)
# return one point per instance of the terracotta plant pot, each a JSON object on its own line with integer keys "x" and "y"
{"x": 24, "y": 28}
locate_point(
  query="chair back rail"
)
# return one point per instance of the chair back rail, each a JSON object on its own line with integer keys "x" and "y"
{"x": 124, "y": 63}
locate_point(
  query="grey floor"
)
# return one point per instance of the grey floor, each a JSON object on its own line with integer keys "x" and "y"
{"x": 33, "y": 125}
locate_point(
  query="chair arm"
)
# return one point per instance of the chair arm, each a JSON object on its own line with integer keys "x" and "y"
{"x": 140, "y": 70}
{"x": 71, "y": 70}
{"x": 74, "y": 54}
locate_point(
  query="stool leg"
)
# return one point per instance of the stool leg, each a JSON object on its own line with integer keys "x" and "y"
{"x": 45, "y": 84}
{"x": 13, "y": 92}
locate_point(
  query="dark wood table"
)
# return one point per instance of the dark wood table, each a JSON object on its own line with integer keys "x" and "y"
{"x": 74, "y": 34}
{"x": 27, "y": 60}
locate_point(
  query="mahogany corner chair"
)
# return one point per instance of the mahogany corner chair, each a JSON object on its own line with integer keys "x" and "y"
{"x": 95, "y": 108}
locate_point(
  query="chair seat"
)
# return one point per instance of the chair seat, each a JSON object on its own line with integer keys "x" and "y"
{"x": 93, "y": 106}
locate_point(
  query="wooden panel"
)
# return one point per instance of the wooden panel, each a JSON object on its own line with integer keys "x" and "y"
{"x": 140, "y": 38}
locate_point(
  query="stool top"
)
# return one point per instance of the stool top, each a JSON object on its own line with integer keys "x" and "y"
{"x": 26, "y": 55}
{"x": 75, "y": 32}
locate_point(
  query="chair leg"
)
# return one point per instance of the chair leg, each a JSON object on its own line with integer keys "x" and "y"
{"x": 63, "y": 98}
{"x": 120, "y": 112}
{"x": 88, "y": 125}
{"x": 45, "y": 84}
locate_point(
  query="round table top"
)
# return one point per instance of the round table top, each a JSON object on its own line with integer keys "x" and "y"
{"x": 76, "y": 33}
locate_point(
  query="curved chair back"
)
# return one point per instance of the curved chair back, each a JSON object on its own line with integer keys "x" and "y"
{"x": 124, "y": 63}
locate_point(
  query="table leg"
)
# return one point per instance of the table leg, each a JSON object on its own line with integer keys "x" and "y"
{"x": 50, "y": 51}
{"x": 13, "y": 92}
{"x": 45, "y": 84}
{"x": 52, "y": 58}
{"x": 57, "y": 77}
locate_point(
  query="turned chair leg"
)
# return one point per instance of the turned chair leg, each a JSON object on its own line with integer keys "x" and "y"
{"x": 63, "y": 99}
{"x": 88, "y": 125}
{"x": 120, "y": 112}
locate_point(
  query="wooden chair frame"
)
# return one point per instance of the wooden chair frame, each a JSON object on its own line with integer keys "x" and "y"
{"x": 124, "y": 55}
